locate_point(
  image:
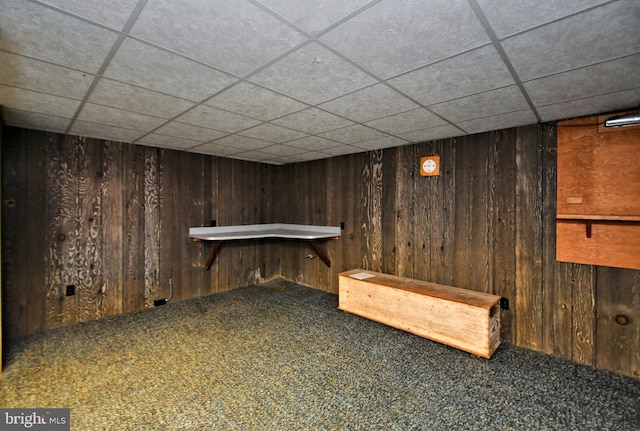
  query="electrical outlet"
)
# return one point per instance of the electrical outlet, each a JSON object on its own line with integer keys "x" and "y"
{"x": 504, "y": 303}
{"x": 70, "y": 290}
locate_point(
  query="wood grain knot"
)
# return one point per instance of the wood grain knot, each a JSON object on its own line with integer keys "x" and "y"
{"x": 620, "y": 319}
{"x": 61, "y": 237}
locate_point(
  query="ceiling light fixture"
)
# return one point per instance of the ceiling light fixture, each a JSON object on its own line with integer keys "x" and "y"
{"x": 623, "y": 120}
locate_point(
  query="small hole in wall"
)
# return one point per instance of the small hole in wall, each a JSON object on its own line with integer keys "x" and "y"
{"x": 70, "y": 290}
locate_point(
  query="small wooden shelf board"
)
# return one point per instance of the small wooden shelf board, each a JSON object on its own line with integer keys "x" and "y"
{"x": 461, "y": 318}
{"x": 309, "y": 233}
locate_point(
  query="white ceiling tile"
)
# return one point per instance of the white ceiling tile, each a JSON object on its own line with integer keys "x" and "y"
{"x": 313, "y": 143}
{"x": 307, "y": 156}
{"x": 215, "y": 149}
{"x": 255, "y": 102}
{"x": 37, "y": 31}
{"x": 214, "y": 118}
{"x": 35, "y": 75}
{"x": 232, "y": 35}
{"x": 29, "y": 120}
{"x": 495, "y": 122}
{"x": 618, "y": 101}
{"x": 272, "y": 133}
{"x": 146, "y": 66}
{"x": 342, "y": 150}
{"x": 282, "y": 150}
{"x": 376, "y": 144}
{"x": 314, "y": 16}
{"x": 353, "y": 134}
{"x": 189, "y": 131}
{"x": 432, "y": 133}
{"x": 39, "y": 103}
{"x": 104, "y": 131}
{"x": 588, "y": 81}
{"x": 257, "y": 156}
{"x": 117, "y": 117}
{"x": 124, "y": 96}
{"x": 479, "y": 70}
{"x": 242, "y": 142}
{"x": 369, "y": 103}
{"x": 166, "y": 141}
{"x": 406, "y": 121}
{"x": 313, "y": 121}
{"x": 501, "y": 101}
{"x": 313, "y": 75}
{"x": 112, "y": 13}
{"x": 393, "y": 37}
{"x": 574, "y": 58}
{"x": 603, "y": 33}
{"x": 508, "y": 17}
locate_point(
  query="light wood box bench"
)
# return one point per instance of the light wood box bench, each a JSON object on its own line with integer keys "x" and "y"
{"x": 460, "y": 318}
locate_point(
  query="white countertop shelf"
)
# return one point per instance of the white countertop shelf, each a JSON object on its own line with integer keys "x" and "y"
{"x": 271, "y": 230}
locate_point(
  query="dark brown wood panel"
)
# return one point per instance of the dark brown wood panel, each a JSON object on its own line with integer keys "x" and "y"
{"x": 528, "y": 303}
{"x": 133, "y": 267}
{"x": 15, "y": 252}
{"x": 463, "y": 213}
{"x": 407, "y": 168}
{"x": 550, "y": 266}
{"x": 112, "y": 235}
{"x": 618, "y": 320}
{"x": 113, "y": 221}
{"x": 389, "y": 210}
{"x": 502, "y": 173}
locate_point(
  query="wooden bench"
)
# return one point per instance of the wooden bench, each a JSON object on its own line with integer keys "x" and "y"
{"x": 460, "y": 318}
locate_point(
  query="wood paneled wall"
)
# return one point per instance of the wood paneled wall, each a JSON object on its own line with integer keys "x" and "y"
{"x": 487, "y": 223}
{"x": 112, "y": 219}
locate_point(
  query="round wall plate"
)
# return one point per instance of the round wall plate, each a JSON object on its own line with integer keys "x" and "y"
{"x": 430, "y": 166}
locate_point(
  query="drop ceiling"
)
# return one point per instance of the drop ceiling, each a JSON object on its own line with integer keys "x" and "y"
{"x": 283, "y": 81}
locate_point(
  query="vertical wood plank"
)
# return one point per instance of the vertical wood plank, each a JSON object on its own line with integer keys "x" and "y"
{"x": 15, "y": 213}
{"x": 463, "y": 213}
{"x": 112, "y": 237}
{"x": 389, "y": 208}
{"x": 529, "y": 299}
{"x": 61, "y": 215}
{"x": 584, "y": 314}
{"x": 439, "y": 212}
{"x": 405, "y": 185}
{"x": 502, "y": 187}
{"x": 371, "y": 199}
{"x": 152, "y": 228}
{"x": 447, "y": 255}
{"x": 334, "y": 218}
{"x": 481, "y": 217}
{"x": 89, "y": 252}
{"x": 225, "y": 217}
{"x": 424, "y": 202}
{"x": 618, "y": 320}
{"x": 133, "y": 228}
{"x": 563, "y": 310}
{"x": 549, "y": 211}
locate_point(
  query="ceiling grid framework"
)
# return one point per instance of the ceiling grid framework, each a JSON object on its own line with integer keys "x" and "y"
{"x": 284, "y": 81}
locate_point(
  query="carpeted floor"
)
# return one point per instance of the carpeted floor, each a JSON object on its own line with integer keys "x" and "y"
{"x": 283, "y": 357}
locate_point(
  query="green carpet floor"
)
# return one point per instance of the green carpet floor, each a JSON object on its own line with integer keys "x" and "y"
{"x": 283, "y": 357}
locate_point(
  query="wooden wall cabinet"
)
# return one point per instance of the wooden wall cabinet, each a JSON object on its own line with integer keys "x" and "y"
{"x": 598, "y": 208}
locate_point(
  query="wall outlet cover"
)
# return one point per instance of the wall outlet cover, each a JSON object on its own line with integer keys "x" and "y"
{"x": 430, "y": 166}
